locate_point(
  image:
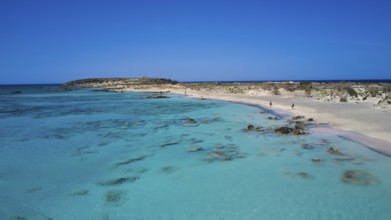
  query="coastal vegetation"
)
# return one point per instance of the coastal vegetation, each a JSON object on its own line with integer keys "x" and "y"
{"x": 380, "y": 93}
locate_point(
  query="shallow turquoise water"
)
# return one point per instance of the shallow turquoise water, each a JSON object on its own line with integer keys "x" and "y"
{"x": 93, "y": 155}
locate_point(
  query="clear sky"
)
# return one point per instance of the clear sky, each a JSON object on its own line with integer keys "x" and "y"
{"x": 53, "y": 41}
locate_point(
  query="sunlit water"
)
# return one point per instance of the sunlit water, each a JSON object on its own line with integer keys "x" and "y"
{"x": 95, "y": 155}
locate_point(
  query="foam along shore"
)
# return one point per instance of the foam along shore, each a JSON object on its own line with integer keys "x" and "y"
{"x": 361, "y": 111}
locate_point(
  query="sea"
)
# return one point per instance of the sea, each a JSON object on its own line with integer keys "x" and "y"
{"x": 95, "y": 155}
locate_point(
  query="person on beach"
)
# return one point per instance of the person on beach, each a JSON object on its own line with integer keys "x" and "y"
{"x": 270, "y": 103}
{"x": 293, "y": 105}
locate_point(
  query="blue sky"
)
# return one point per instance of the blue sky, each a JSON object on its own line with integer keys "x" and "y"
{"x": 56, "y": 41}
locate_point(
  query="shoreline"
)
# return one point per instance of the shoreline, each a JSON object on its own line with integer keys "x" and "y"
{"x": 380, "y": 145}
{"x": 346, "y": 128}
{"x": 362, "y": 111}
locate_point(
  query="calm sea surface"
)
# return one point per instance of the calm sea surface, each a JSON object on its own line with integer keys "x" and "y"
{"x": 103, "y": 156}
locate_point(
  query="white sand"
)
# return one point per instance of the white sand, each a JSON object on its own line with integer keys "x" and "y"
{"x": 361, "y": 121}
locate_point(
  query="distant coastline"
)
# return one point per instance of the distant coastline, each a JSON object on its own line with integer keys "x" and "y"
{"x": 227, "y": 81}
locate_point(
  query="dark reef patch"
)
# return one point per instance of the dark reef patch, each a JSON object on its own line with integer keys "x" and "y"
{"x": 119, "y": 181}
{"x": 168, "y": 169}
{"x": 34, "y": 190}
{"x": 358, "y": 177}
{"x": 301, "y": 174}
{"x": 115, "y": 197}
{"x": 130, "y": 161}
{"x": 83, "y": 192}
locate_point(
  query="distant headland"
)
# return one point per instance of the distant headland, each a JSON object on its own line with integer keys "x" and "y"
{"x": 114, "y": 82}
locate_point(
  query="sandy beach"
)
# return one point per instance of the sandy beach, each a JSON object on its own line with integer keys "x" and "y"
{"x": 361, "y": 117}
{"x": 359, "y": 121}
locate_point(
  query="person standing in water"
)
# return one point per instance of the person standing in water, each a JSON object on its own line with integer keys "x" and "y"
{"x": 270, "y": 103}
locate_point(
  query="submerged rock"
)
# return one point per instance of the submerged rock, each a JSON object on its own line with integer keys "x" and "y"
{"x": 228, "y": 137}
{"x": 305, "y": 175}
{"x": 307, "y": 146}
{"x": 31, "y": 217}
{"x": 284, "y": 130}
{"x": 298, "y": 117}
{"x": 168, "y": 169}
{"x": 169, "y": 143}
{"x": 299, "y": 125}
{"x": 333, "y": 150}
{"x": 316, "y": 160}
{"x": 194, "y": 149}
{"x": 288, "y": 130}
{"x": 196, "y": 141}
{"x": 190, "y": 120}
{"x": 251, "y": 127}
{"x": 34, "y": 189}
{"x": 158, "y": 97}
{"x": 132, "y": 160}
{"x": 299, "y": 132}
{"x": 358, "y": 177}
{"x": 119, "y": 181}
{"x": 300, "y": 174}
{"x": 220, "y": 155}
{"x": 115, "y": 197}
{"x": 80, "y": 193}
{"x": 224, "y": 152}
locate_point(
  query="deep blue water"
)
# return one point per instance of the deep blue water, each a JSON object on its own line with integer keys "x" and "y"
{"x": 95, "y": 155}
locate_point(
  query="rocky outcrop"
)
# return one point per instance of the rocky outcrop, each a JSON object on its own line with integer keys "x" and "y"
{"x": 289, "y": 130}
{"x": 251, "y": 127}
{"x": 158, "y": 97}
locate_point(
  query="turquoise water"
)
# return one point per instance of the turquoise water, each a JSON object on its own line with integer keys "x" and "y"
{"x": 95, "y": 155}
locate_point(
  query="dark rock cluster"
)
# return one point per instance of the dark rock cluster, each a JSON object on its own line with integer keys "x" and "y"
{"x": 157, "y": 97}
{"x": 289, "y": 130}
{"x": 251, "y": 127}
{"x": 224, "y": 152}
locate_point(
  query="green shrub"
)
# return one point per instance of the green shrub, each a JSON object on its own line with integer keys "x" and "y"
{"x": 373, "y": 91}
{"x": 351, "y": 91}
{"x": 276, "y": 91}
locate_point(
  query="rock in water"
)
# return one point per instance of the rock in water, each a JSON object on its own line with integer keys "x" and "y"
{"x": 358, "y": 177}
{"x": 284, "y": 130}
{"x": 119, "y": 181}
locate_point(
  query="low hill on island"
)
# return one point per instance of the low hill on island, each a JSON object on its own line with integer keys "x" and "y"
{"x": 114, "y": 82}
